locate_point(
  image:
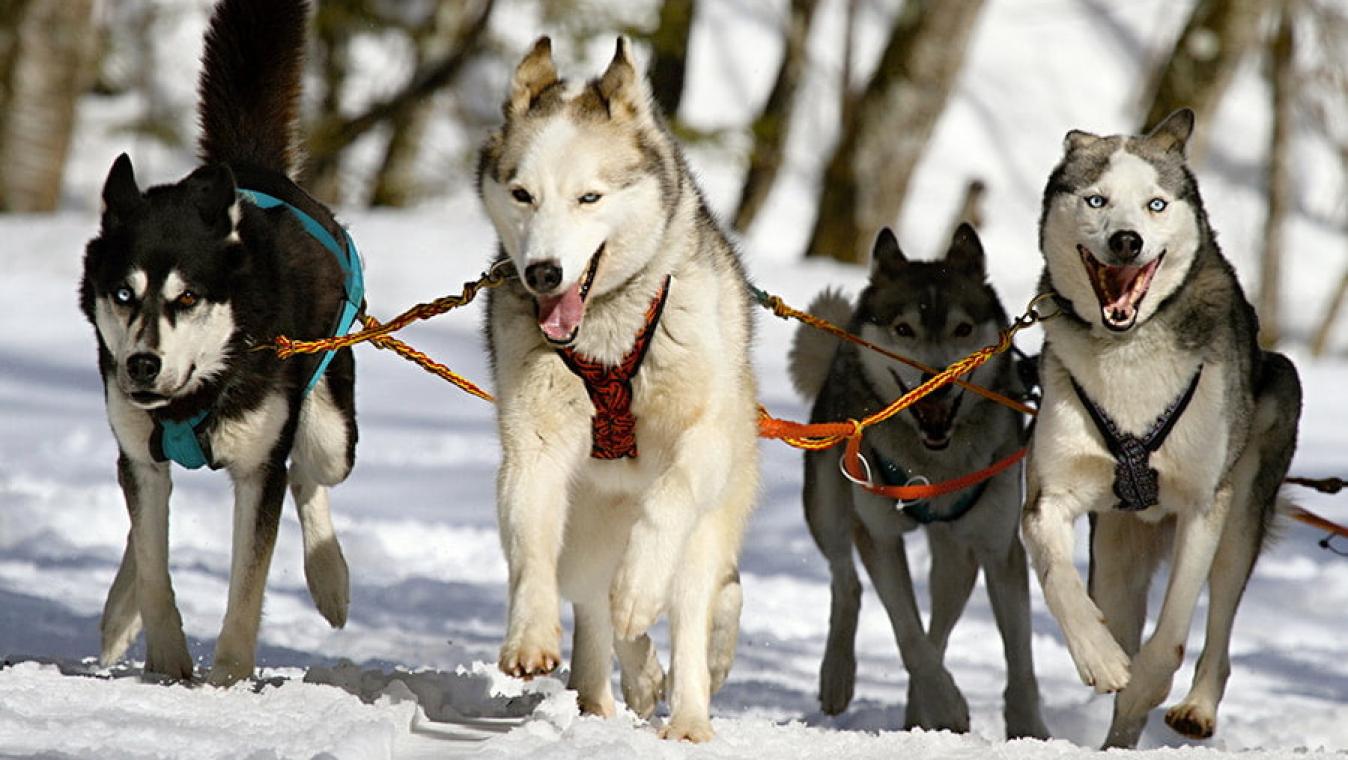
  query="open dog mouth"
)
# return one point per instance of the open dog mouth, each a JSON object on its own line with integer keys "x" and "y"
{"x": 559, "y": 316}
{"x": 935, "y": 414}
{"x": 1119, "y": 289}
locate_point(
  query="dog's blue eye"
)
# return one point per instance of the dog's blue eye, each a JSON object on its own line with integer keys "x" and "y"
{"x": 521, "y": 195}
{"x": 1157, "y": 205}
{"x": 123, "y": 295}
{"x": 1096, "y": 201}
{"x": 590, "y": 198}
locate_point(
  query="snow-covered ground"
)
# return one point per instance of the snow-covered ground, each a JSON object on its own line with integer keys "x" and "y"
{"x": 410, "y": 675}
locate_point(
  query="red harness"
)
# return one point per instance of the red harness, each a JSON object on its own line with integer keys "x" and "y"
{"x": 613, "y": 428}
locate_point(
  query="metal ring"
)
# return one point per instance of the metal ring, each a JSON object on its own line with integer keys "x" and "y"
{"x": 869, "y": 482}
{"x": 915, "y": 480}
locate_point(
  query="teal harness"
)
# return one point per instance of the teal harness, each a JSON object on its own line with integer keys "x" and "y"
{"x": 185, "y": 441}
{"x": 894, "y": 475}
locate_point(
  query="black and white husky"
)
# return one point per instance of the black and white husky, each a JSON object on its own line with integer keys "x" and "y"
{"x": 936, "y": 312}
{"x": 181, "y": 282}
{"x": 1161, "y": 417}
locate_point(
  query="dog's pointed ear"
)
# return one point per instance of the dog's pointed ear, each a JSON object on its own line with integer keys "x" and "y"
{"x": 621, "y": 89}
{"x": 121, "y": 196}
{"x": 966, "y": 251}
{"x": 1076, "y": 139}
{"x": 213, "y": 192}
{"x": 886, "y": 256}
{"x": 1173, "y": 133}
{"x": 535, "y": 74}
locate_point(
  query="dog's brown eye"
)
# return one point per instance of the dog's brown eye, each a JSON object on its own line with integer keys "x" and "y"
{"x": 521, "y": 195}
{"x": 187, "y": 300}
{"x": 904, "y": 330}
{"x": 963, "y": 330}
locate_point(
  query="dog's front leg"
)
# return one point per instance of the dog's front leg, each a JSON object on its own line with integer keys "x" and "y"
{"x": 146, "y": 486}
{"x": 532, "y": 492}
{"x": 668, "y": 512}
{"x": 1196, "y": 536}
{"x": 258, "y": 496}
{"x": 1047, "y": 523}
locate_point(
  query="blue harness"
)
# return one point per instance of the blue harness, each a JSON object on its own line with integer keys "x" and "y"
{"x": 184, "y": 441}
{"x": 894, "y": 475}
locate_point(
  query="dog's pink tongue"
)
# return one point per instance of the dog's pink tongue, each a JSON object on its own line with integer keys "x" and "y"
{"x": 1117, "y": 285}
{"x": 559, "y": 316}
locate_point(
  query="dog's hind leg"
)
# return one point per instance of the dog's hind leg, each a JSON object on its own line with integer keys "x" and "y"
{"x": 1257, "y": 475}
{"x": 322, "y": 455}
{"x": 1125, "y": 552}
{"x": 325, "y": 568}
{"x": 953, "y": 572}
{"x": 934, "y": 702}
{"x": 120, "y": 623}
{"x": 1153, "y": 669}
{"x": 258, "y": 496}
{"x": 725, "y": 630}
{"x": 828, "y": 512}
{"x": 592, "y": 658}
{"x": 643, "y": 680}
{"x": 146, "y": 486}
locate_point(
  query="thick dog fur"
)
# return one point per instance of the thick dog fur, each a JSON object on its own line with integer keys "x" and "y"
{"x": 1219, "y": 470}
{"x": 584, "y": 177}
{"x": 935, "y": 312}
{"x": 181, "y": 282}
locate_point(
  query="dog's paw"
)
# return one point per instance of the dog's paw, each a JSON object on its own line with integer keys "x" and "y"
{"x": 936, "y": 704}
{"x": 329, "y": 582}
{"x": 1100, "y": 661}
{"x": 535, "y": 652}
{"x": 696, "y": 730}
{"x": 1191, "y": 720}
{"x": 637, "y": 598}
{"x": 837, "y": 679}
{"x": 169, "y": 659}
{"x": 228, "y": 671}
{"x": 643, "y": 690}
{"x": 601, "y": 707}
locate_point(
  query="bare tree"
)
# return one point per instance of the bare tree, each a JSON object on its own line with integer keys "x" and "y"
{"x": 669, "y": 44}
{"x": 1281, "y": 77}
{"x": 867, "y": 178}
{"x": 47, "y": 65}
{"x": 771, "y": 127}
{"x": 1214, "y": 40}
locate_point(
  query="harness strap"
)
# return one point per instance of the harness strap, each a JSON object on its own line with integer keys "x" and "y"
{"x": 895, "y": 475}
{"x": 185, "y": 441}
{"x": 613, "y": 427}
{"x": 1136, "y": 482}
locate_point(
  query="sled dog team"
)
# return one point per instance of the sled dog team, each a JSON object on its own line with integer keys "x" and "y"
{"x": 627, "y": 405}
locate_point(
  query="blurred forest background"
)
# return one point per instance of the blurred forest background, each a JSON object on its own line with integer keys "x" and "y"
{"x": 404, "y": 131}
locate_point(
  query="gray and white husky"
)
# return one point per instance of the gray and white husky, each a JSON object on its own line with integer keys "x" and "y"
{"x": 625, "y": 492}
{"x": 935, "y": 312}
{"x": 1160, "y": 416}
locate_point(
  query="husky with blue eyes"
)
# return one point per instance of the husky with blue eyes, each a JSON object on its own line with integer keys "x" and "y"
{"x": 182, "y": 282}
{"x": 1161, "y": 418}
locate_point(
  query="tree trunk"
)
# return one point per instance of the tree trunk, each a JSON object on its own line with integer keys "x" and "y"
{"x": 51, "y": 67}
{"x": 773, "y": 124}
{"x": 1216, "y": 37}
{"x": 867, "y": 179}
{"x": 1281, "y": 75}
{"x": 669, "y": 44}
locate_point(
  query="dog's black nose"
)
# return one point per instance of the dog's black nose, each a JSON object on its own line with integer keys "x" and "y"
{"x": 1125, "y": 244}
{"x": 142, "y": 367}
{"x": 543, "y": 276}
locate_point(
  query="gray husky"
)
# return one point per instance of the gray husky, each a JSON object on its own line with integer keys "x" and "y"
{"x": 1161, "y": 417}
{"x": 935, "y": 312}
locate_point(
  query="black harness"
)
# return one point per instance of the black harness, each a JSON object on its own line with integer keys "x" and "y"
{"x": 1136, "y": 482}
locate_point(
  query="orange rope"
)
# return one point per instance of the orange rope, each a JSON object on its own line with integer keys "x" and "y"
{"x": 427, "y": 363}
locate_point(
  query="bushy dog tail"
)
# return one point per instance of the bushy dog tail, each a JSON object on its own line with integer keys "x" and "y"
{"x": 812, "y": 350}
{"x": 250, "y": 83}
